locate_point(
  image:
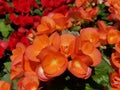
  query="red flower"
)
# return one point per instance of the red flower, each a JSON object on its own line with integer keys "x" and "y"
{"x": 63, "y": 9}
{"x": 1, "y": 51}
{"x": 24, "y": 7}
{"x": 25, "y": 21}
{"x": 4, "y": 7}
{"x": 18, "y": 36}
{"x": 21, "y": 20}
{"x": 50, "y": 4}
{"x": 3, "y": 46}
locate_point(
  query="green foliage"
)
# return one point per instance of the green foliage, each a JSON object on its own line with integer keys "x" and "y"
{"x": 37, "y": 12}
{"x": 5, "y": 29}
{"x": 102, "y": 71}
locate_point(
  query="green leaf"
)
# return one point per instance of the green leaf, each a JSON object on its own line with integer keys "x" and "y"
{"x": 7, "y": 66}
{"x": 15, "y": 84}
{"x": 76, "y": 28}
{"x": 6, "y": 77}
{"x": 102, "y": 72}
{"x": 88, "y": 87}
{"x": 5, "y": 29}
{"x": 66, "y": 88}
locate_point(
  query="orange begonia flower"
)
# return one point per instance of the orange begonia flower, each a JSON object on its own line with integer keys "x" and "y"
{"x": 115, "y": 80}
{"x": 113, "y": 36}
{"x": 29, "y": 82}
{"x": 33, "y": 50}
{"x": 53, "y": 63}
{"x": 84, "y": 47}
{"x": 61, "y": 21}
{"x": 5, "y": 85}
{"x": 79, "y": 68}
{"x": 115, "y": 58}
{"x": 47, "y": 25}
{"x": 91, "y": 35}
{"x": 16, "y": 69}
{"x": 66, "y": 45}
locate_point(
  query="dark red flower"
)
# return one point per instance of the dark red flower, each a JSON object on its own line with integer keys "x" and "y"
{"x": 36, "y": 21}
{"x": 24, "y": 5}
{"x": 4, "y": 7}
{"x": 25, "y": 41}
{"x": 25, "y": 21}
{"x": 18, "y": 36}
{"x": 1, "y": 51}
{"x": 21, "y": 20}
{"x": 49, "y": 4}
{"x": 63, "y": 9}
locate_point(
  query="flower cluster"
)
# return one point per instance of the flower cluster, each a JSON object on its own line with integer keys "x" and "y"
{"x": 47, "y": 38}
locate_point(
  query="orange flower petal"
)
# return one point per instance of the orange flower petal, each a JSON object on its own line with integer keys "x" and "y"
{"x": 39, "y": 43}
{"x": 16, "y": 69}
{"x": 54, "y": 65}
{"x": 55, "y": 40}
{"x": 41, "y": 75}
{"x": 28, "y": 83}
{"x": 86, "y": 47}
{"x": 79, "y": 3}
{"x": 96, "y": 57}
{"x": 53, "y": 62}
{"x": 20, "y": 48}
{"x": 90, "y": 34}
{"x": 113, "y": 36}
{"x": 115, "y": 58}
{"x": 47, "y": 25}
{"x": 117, "y": 47}
{"x": 4, "y": 85}
{"x": 66, "y": 45}
{"x": 31, "y": 53}
{"x": 61, "y": 21}
{"x": 78, "y": 68}
{"x": 115, "y": 80}
{"x": 84, "y": 58}
{"x": 42, "y": 29}
{"x": 29, "y": 66}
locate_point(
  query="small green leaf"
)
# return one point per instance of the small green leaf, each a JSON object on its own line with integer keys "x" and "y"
{"x": 7, "y": 66}
{"x": 67, "y": 78}
{"x": 6, "y": 77}
{"x": 76, "y": 28}
{"x": 15, "y": 84}
{"x": 66, "y": 88}
{"x": 88, "y": 87}
{"x": 5, "y": 29}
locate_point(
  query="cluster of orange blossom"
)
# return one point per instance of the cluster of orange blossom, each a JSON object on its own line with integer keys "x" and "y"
{"x": 51, "y": 53}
